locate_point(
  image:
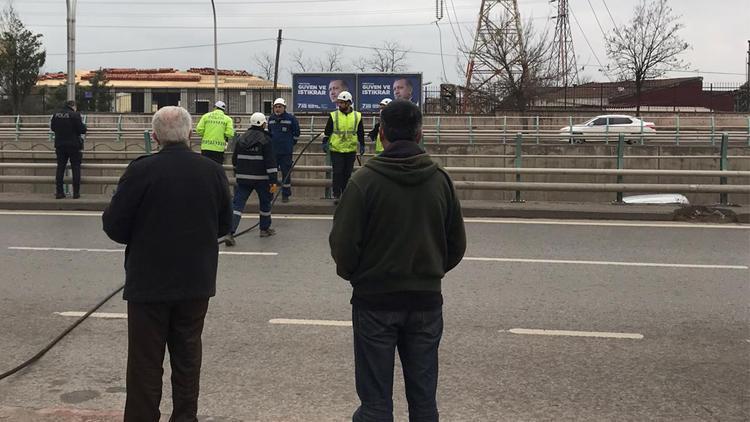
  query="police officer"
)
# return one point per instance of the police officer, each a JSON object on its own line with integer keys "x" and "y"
{"x": 374, "y": 134}
{"x": 255, "y": 170}
{"x": 344, "y": 130}
{"x": 68, "y": 127}
{"x": 215, "y": 128}
{"x": 284, "y": 129}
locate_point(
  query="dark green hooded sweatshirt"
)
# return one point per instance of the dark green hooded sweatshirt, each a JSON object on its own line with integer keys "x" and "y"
{"x": 398, "y": 226}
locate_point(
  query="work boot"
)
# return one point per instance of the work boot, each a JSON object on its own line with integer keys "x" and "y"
{"x": 76, "y": 195}
{"x": 268, "y": 232}
{"x": 59, "y": 195}
{"x": 284, "y": 199}
{"x": 229, "y": 240}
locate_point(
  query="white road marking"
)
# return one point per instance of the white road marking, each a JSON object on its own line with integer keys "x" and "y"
{"x": 332, "y": 323}
{"x": 616, "y": 263}
{"x": 633, "y": 336}
{"x": 105, "y": 315}
{"x": 28, "y": 248}
{"x": 635, "y": 224}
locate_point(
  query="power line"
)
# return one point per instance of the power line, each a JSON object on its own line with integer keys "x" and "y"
{"x": 365, "y": 47}
{"x": 597, "y": 19}
{"x": 244, "y": 28}
{"x": 609, "y": 13}
{"x": 603, "y": 69}
{"x": 184, "y": 2}
{"x": 181, "y": 47}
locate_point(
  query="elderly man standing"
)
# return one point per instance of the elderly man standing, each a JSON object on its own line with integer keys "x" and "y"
{"x": 396, "y": 232}
{"x": 169, "y": 209}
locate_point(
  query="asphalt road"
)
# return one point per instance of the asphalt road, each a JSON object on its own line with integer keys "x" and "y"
{"x": 672, "y": 298}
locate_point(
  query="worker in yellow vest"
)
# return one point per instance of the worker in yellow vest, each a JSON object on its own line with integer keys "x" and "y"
{"x": 215, "y": 128}
{"x": 344, "y": 135}
{"x": 374, "y": 134}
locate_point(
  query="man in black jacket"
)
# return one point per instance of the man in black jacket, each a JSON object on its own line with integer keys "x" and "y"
{"x": 68, "y": 127}
{"x": 255, "y": 170}
{"x": 396, "y": 232}
{"x": 169, "y": 209}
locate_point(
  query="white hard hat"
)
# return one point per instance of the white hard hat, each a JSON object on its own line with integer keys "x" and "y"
{"x": 344, "y": 96}
{"x": 279, "y": 101}
{"x": 257, "y": 119}
{"x": 221, "y": 105}
{"x": 385, "y": 101}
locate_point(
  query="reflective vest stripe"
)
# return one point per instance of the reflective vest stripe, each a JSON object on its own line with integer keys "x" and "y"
{"x": 251, "y": 177}
{"x": 249, "y": 157}
{"x": 344, "y": 135}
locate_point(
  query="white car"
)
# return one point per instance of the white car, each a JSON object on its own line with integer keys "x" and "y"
{"x": 607, "y": 126}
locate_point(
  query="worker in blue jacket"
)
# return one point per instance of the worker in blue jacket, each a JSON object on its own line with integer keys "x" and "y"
{"x": 284, "y": 129}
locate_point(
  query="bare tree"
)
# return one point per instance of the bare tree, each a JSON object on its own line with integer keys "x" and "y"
{"x": 300, "y": 63}
{"x": 648, "y": 46}
{"x": 520, "y": 68}
{"x": 388, "y": 58}
{"x": 264, "y": 64}
{"x": 360, "y": 64}
{"x": 332, "y": 61}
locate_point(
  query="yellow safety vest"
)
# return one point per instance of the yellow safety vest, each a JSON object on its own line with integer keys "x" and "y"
{"x": 214, "y": 128}
{"x": 378, "y": 145}
{"x": 344, "y": 135}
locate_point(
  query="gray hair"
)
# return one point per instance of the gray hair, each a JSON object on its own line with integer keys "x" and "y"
{"x": 172, "y": 125}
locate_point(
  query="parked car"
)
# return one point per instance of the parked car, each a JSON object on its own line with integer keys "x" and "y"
{"x": 599, "y": 127}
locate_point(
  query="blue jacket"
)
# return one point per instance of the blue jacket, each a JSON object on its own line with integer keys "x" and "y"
{"x": 284, "y": 131}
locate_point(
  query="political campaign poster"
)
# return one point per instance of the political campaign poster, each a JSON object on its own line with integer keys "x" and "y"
{"x": 317, "y": 92}
{"x": 373, "y": 87}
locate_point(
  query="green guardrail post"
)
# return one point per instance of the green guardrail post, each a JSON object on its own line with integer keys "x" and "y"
{"x": 50, "y": 133}
{"x": 147, "y": 141}
{"x": 471, "y": 131}
{"x": 570, "y": 129}
{"x": 119, "y": 128}
{"x": 748, "y": 131}
{"x": 620, "y": 162}
{"x": 18, "y": 127}
{"x": 677, "y": 129}
{"x": 724, "y": 166}
{"x": 437, "y": 130}
{"x": 505, "y": 129}
{"x": 713, "y": 130}
{"x": 641, "y": 137}
{"x": 312, "y": 125}
{"x": 517, "y": 162}
{"x": 536, "y": 127}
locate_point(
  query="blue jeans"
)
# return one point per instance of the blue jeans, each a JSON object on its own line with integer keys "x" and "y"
{"x": 377, "y": 334}
{"x": 285, "y": 165}
{"x": 242, "y": 191}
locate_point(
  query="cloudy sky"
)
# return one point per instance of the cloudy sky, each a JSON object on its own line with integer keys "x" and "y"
{"x": 179, "y": 33}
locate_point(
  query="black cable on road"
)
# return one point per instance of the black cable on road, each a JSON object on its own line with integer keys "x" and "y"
{"x": 61, "y": 336}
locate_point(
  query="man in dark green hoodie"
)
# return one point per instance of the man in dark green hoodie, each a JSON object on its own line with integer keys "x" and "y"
{"x": 396, "y": 232}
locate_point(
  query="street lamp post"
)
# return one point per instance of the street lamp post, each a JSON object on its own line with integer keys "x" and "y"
{"x": 71, "y": 4}
{"x": 216, "y": 58}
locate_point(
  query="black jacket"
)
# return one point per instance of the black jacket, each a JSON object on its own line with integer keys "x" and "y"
{"x": 68, "y": 127}
{"x": 169, "y": 209}
{"x": 253, "y": 158}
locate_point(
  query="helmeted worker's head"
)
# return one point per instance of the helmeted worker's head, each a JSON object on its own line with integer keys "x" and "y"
{"x": 384, "y": 102}
{"x": 258, "y": 119}
{"x": 400, "y": 120}
{"x": 403, "y": 88}
{"x": 335, "y": 87}
{"x": 344, "y": 100}
{"x": 279, "y": 106}
{"x": 221, "y": 106}
{"x": 171, "y": 125}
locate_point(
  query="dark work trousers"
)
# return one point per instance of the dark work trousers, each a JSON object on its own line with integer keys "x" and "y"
{"x": 377, "y": 334}
{"x": 151, "y": 327}
{"x": 242, "y": 191}
{"x": 74, "y": 154}
{"x": 342, "y": 163}
{"x": 214, "y": 155}
{"x": 285, "y": 165}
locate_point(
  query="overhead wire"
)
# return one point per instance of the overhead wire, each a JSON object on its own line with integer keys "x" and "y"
{"x": 601, "y": 66}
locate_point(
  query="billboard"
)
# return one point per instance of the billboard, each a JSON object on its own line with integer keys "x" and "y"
{"x": 317, "y": 92}
{"x": 373, "y": 87}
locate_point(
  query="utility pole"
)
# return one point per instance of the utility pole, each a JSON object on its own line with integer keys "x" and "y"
{"x": 216, "y": 57}
{"x": 276, "y": 65}
{"x": 747, "y": 76}
{"x": 71, "y": 6}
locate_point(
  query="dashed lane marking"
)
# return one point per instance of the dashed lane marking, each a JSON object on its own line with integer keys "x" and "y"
{"x": 536, "y": 332}
{"x": 46, "y": 249}
{"x": 616, "y": 263}
{"x": 103, "y": 315}
{"x": 638, "y": 224}
{"x": 333, "y": 323}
